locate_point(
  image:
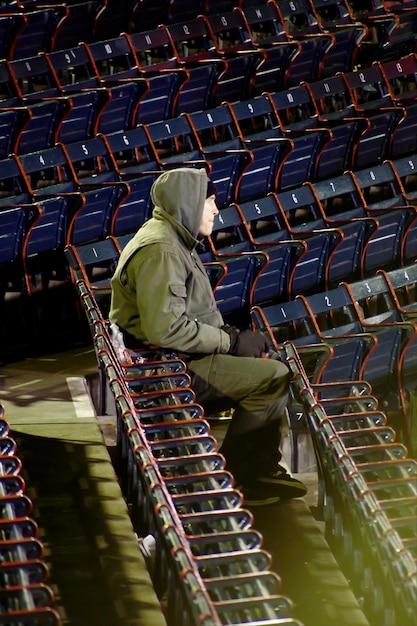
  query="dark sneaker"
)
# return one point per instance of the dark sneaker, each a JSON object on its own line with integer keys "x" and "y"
{"x": 257, "y": 494}
{"x": 285, "y": 485}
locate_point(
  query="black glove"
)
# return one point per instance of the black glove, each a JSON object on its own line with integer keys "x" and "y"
{"x": 247, "y": 342}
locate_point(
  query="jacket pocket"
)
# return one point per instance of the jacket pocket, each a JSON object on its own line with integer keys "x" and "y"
{"x": 178, "y": 295}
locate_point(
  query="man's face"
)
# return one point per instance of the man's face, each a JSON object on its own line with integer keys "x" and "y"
{"x": 209, "y": 213}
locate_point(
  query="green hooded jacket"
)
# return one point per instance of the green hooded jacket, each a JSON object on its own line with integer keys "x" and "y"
{"x": 161, "y": 293}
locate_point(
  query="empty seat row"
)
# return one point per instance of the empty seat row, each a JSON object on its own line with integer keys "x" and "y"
{"x": 368, "y": 492}
{"x": 25, "y": 594}
{"x": 28, "y": 29}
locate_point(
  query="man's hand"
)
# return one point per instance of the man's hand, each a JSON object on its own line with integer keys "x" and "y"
{"x": 247, "y": 342}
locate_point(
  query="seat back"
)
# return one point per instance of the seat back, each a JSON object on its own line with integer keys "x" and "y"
{"x": 12, "y": 123}
{"x": 343, "y": 54}
{"x": 133, "y": 150}
{"x": 340, "y": 197}
{"x": 39, "y": 32}
{"x": 92, "y": 160}
{"x": 14, "y": 185}
{"x": 78, "y": 24}
{"x": 334, "y": 312}
{"x": 81, "y": 121}
{"x": 373, "y": 300}
{"x": 192, "y": 39}
{"x": 36, "y": 77}
{"x": 403, "y": 285}
{"x": 114, "y": 58}
{"x": 15, "y": 223}
{"x": 400, "y": 75}
{"x": 41, "y": 131}
{"x": 175, "y": 140}
{"x": 265, "y": 23}
{"x": 10, "y": 93}
{"x": 10, "y": 27}
{"x": 136, "y": 207}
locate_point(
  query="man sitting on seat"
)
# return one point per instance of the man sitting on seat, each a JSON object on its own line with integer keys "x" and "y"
{"x": 161, "y": 295}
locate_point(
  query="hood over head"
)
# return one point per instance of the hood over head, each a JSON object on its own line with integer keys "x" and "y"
{"x": 181, "y": 193}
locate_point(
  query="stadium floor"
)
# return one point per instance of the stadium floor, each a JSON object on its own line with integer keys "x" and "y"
{"x": 97, "y": 572}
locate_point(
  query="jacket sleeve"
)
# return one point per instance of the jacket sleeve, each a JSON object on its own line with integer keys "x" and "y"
{"x": 162, "y": 306}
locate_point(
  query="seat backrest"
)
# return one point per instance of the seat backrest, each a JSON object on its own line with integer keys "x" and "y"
{"x": 301, "y": 208}
{"x": 368, "y": 87}
{"x": 96, "y": 262}
{"x": 92, "y": 160}
{"x": 160, "y": 100}
{"x": 174, "y": 139}
{"x": 40, "y": 30}
{"x": 10, "y": 93}
{"x": 36, "y": 77}
{"x": 136, "y": 207}
{"x": 48, "y": 171}
{"x": 78, "y": 24}
{"x": 133, "y": 150}
{"x": 114, "y": 58}
{"x": 265, "y": 23}
{"x": 92, "y": 222}
{"x": 401, "y": 40}
{"x": 10, "y": 27}
{"x": 192, "y": 39}
{"x": 380, "y": 186}
{"x": 331, "y": 13}
{"x": 406, "y": 170}
{"x": 340, "y": 197}
{"x": 295, "y": 108}
{"x": 15, "y": 223}
{"x": 286, "y": 321}
{"x": 253, "y": 118}
{"x": 373, "y": 300}
{"x": 403, "y": 282}
{"x": 82, "y": 119}
{"x": 14, "y": 226}
{"x": 42, "y": 129}
{"x": 215, "y": 126}
{"x": 343, "y": 55}
{"x": 334, "y": 311}
{"x": 401, "y": 78}
{"x": 14, "y": 185}
{"x": 230, "y": 31}
{"x": 332, "y": 97}
{"x": 234, "y": 293}
{"x": 153, "y": 48}
{"x": 12, "y": 123}
{"x": 121, "y": 109}
{"x": 74, "y": 68}
{"x": 298, "y": 17}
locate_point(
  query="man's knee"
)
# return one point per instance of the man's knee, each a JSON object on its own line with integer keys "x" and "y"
{"x": 275, "y": 375}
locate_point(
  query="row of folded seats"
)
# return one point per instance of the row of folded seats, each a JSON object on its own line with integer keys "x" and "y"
{"x": 26, "y": 596}
{"x": 314, "y": 159}
{"x": 168, "y": 458}
{"x": 376, "y": 28}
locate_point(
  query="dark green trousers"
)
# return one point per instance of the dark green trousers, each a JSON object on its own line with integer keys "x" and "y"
{"x": 257, "y": 389}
